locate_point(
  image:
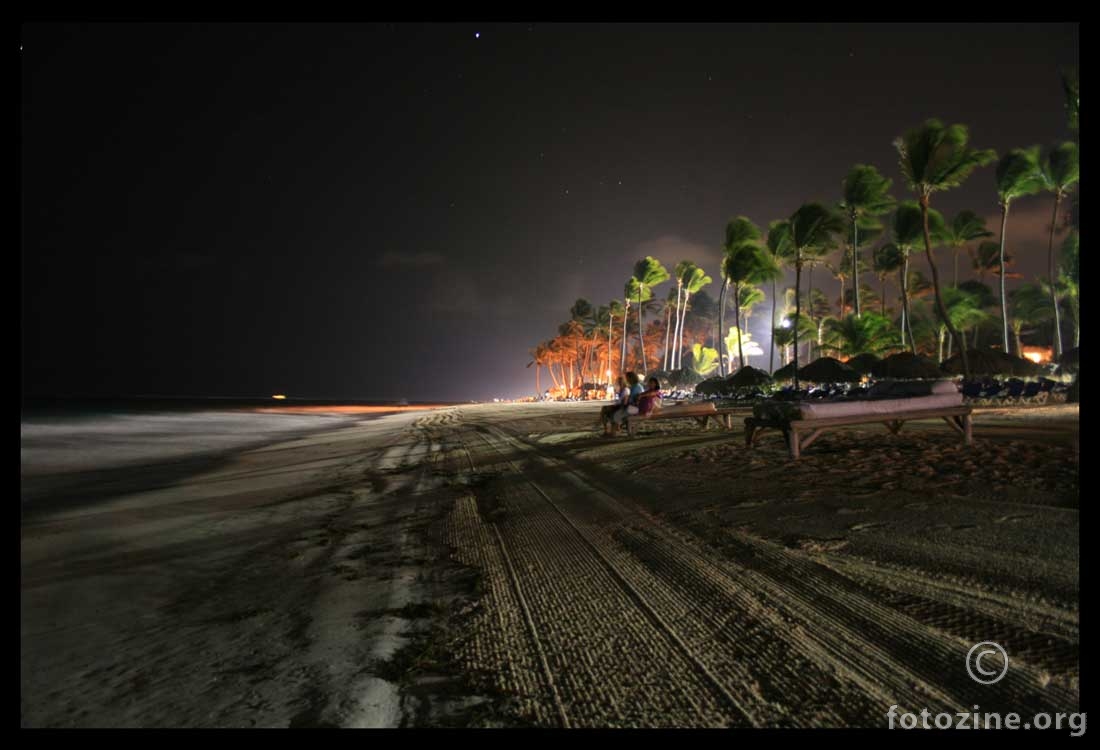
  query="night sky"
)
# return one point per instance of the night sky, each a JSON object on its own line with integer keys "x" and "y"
{"x": 402, "y": 211}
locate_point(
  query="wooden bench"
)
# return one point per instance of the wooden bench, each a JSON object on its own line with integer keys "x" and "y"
{"x": 701, "y": 413}
{"x": 958, "y": 417}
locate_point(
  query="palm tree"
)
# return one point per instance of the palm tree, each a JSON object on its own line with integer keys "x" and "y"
{"x": 744, "y": 265}
{"x": 1070, "y": 282}
{"x": 933, "y": 158}
{"x": 628, "y": 291}
{"x": 866, "y": 194}
{"x": 668, "y": 320}
{"x": 885, "y": 260}
{"x": 1018, "y": 174}
{"x": 749, "y": 297}
{"x": 538, "y": 359}
{"x": 615, "y": 309}
{"x": 812, "y": 228}
{"x": 909, "y": 227}
{"x": 648, "y": 272}
{"x": 684, "y": 269}
{"x": 703, "y": 360}
{"x": 966, "y": 227}
{"x": 964, "y": 309}
{"x": 1071, "y": 88}
{"x": 739, "y": 255}
{"x": 693, "y": 283}
{"x": 1060, "y": 170}
{"x": 1030, "y": 307}
{"x": 779, "y": 246}
{"x": 853, "y": 335}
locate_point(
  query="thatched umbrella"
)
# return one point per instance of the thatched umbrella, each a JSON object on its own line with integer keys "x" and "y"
{"x": 786, "y": 372}
{"x": 748, "y": 377}
{"x": 906, "y": 365}
{"x": 863, "y": 363}
{"x": 992, "y": 362}
{"x": 712, "y": 387}
{"x": 828, "y": 370}
{"x": 1019, "y": 366}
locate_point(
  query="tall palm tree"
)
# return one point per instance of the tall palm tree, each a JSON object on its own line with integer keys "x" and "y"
{"x": 866, "y": 194}
{"x": 934, "y": 158}
{"x": 538, "y": 359}
{"x": 628, "y": 291}
{"x": 964, "y": 309}
{"x": 909, "y": 226}
{"x": 742, "y": 237}
{"x": 749, "y": 297}
{"x": 744, "y": 265}
{"x": 1030, "y": 308}
{"x": 693, "y": 283}
{"x": 1018, "y": 174}
{"x": 668, "y": 321}
{"x": 648, "y": 272}
{"x": 615, "y": 309}
{"x": 885, "y": 260}
{"x": 812, "y": 228}
{"x": 1070, "y": 279}
{"x": 966, "y": 227}
{"x": 1060, "y": 170}
{"x": 684, "y": 269}
{"x": 778, "y": 243}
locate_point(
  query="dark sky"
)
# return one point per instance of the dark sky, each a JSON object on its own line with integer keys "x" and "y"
{"x": 402, "y": 211}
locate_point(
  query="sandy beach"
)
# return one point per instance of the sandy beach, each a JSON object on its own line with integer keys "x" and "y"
{"x": 504, "y": 565}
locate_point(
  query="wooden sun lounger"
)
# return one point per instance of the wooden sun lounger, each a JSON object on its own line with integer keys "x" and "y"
{"x": 958, "y": 417}
{"x": 701, "y": 413}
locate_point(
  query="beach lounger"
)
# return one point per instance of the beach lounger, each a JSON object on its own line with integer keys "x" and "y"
{"x": 802, "y": 423}
{"x": 701, "y": 413}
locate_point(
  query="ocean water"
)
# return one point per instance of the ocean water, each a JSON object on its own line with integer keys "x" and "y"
{"x": 71, "y": 436}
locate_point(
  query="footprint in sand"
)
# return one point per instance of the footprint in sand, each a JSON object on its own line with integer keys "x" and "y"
{"x": 850, "y": 511}
{"x": 1013, "y": 518}
{"x": 865, "y": 526}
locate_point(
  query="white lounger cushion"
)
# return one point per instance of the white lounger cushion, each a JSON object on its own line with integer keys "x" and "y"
{"x": 885, "y": 407}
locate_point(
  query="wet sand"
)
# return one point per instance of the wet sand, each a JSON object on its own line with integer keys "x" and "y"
{"x": 504, "y": 565}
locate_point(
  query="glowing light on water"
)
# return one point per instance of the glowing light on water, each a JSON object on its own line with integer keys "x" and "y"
{"x": 279, "y": 397}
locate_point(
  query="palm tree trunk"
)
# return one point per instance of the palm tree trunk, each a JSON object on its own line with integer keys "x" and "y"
{"x": 622, "y": 358}
{"x": 538, "y": 390}
{"x": 940, "y": 354}
{"x": 721, "y": 326}
{"x": 1004, "y": 302}
{"x": 610, "y": 325}
{"x": 842, "y": 305}
{"x": 676, "y": 332}
{"x": 683, "y": 322}
{"x": 1016, "y": 335}
{"x": 641, "y": 325}
{"x": 668, "y": 329}
{"x": 855, "y": 268}
{"x": 936, "y": 284}
{"x": 1053, "y": 281}
{"x": 905, "y": 300}
{"x": 955, "y": 278}
{"x": 771, "y": 347}
{"x": 737, "y": 322}
{"x": 797, "y": 309}
{"x": 810, "y": 312}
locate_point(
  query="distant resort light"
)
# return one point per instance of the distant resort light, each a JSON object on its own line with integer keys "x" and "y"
{"x": 279, "y": 397}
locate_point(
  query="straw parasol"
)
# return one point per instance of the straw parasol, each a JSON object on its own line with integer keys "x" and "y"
{"x": 747, "y": 377}
{"x": 828, "y": 370}
{"x": 906, "y": 365}
{"x": 862, "y": 363}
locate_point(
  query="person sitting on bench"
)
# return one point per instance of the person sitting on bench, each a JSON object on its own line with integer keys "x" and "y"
{"x": 606, "y": 413}
{"x": 649, "y": 401}
{"x": 631, "y": 405}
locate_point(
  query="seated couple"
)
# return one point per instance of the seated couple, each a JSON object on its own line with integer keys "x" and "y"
{"x": 632, "y": 400}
